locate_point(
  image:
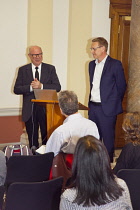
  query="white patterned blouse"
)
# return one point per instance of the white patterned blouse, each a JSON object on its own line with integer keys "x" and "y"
{"x": 122, "y": 203}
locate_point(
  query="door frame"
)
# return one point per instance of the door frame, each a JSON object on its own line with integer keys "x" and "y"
{"x": 117, "y": 8}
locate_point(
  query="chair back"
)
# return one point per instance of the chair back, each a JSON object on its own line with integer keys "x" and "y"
{"x": 35, "y": 168}
{"x": 2, "y": 190}
{"x": 132, "y": 179}
{"x": 35, "y": 195}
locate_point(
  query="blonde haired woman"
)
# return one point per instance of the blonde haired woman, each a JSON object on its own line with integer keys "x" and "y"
{"x": 130, "y": 155}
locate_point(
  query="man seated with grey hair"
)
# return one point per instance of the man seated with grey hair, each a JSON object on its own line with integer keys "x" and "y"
{"x": 65, "y": 137}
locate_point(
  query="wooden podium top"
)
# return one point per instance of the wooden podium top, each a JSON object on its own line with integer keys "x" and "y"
{"x": 47, "y": 96}
{"x": 44, "y": 102}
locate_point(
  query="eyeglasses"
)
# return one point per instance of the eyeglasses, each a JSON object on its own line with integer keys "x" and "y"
{"x": 36, "y": 55}
{"x": 95, "y": 48}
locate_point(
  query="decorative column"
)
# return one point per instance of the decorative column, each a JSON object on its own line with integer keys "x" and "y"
{"x": 133, "y": 103}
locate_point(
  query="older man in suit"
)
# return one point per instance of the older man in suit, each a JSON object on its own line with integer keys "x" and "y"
{"x": 36, "y": 75}
{"x": 107, "y": 88}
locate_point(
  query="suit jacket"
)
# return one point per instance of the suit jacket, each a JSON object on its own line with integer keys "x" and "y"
{"x": 112, "y": 86}
{"x": 48, "y": 78}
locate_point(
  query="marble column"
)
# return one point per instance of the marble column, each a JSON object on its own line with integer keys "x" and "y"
{"x": 133, "y": 103}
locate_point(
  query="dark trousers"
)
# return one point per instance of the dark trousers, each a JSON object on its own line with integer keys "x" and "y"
{"x": 106, "y": 126}
{"x": 37, "y": 119}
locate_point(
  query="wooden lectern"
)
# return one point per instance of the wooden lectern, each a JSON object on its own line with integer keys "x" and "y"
{"x": 49, "y": 99}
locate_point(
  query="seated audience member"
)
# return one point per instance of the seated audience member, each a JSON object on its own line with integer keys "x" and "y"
{"x": 65, "y": 137}
{"x": 3, "y": 168}
{"x": 130, "y": 154}
{"x": 93, "y": 184}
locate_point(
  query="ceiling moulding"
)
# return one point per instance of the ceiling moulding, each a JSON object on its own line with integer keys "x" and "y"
{"x": 121, "y": 2}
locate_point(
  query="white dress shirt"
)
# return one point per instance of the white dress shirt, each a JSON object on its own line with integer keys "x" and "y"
{"x": 39, "y": 70}
{"x": 74, "y": 126}
{"x": 33, "y": 71}
{"x": 95, "y": 92}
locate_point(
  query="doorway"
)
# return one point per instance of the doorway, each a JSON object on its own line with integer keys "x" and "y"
{"x": 120, "y": 14}
{"x": 123, "y": 56}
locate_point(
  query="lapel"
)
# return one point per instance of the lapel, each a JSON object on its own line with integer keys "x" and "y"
{"x": 93, "y": 68}
{"x": 106, "y": 65}
{"x": 43, "y": 72}
{"x": 92, "y": 71}
{"x": 29, "y": 72}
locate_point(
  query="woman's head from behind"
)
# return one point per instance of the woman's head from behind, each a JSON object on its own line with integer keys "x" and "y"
{"x": 90, "y": 156}
{"x": 91, "y": 172}
{"x": 131, "y": 126}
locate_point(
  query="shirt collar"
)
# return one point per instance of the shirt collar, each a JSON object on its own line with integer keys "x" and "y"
{"x": 103, "y": 61}
{"x": 39, "y": 67}
{"x": 72, "y": 116}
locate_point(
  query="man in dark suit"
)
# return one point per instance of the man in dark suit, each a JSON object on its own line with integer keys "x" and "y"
{"x": 36, "y": 75}
{"x": 107, "y": 88}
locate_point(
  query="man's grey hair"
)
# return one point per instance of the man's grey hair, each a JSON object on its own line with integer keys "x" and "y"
{"x": 68, "y": 102}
